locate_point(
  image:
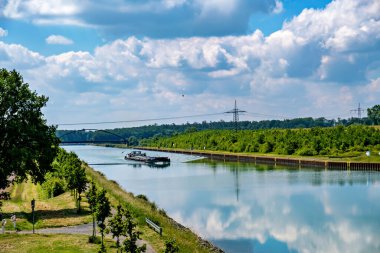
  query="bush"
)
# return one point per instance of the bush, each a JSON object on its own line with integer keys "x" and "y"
{"x": 54, "y": 186}
{"x": 171, "y": 246}
{"x": 306, "y": 151}
{"x": 94, "y": 240}
{"x": 143, "y": 197}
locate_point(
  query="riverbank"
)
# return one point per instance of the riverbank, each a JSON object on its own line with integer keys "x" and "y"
{"x": 142, "y": 208}
{"x": 340, "y": 163}
{"x": 60, "y": 212}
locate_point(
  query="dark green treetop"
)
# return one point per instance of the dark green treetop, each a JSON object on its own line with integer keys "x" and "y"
{"x": 27, "y": 144}
{"x": 374, "y": 114}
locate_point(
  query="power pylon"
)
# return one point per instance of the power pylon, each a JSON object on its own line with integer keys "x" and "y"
{"x": 235, "y": 112}
{"x": 359, "y": 110}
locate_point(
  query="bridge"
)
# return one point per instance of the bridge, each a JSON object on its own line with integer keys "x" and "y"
{"x": 121, "y": 139}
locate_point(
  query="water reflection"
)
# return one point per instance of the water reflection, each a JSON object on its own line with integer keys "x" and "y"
{"x": 245, "y": 208}
{"x": 289, "y": 211}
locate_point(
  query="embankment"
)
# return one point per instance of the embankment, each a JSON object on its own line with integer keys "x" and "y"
{"x": 142, "y": 208}
{"x": 273, "y": 160}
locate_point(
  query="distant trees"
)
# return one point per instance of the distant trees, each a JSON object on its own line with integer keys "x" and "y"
{"x": 305, "y": 142}
{"x": 374, "y": 114}
{"x": 27, "y": 144}
{"x": 140, "y": 135}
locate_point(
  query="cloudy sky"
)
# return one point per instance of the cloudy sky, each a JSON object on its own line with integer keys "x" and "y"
{"x": 127, "y": 60}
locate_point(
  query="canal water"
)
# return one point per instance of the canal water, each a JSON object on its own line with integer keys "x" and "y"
{"x": 251, "y": 208}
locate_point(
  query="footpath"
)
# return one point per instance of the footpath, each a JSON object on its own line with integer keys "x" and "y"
{"x": 85, "y": 229}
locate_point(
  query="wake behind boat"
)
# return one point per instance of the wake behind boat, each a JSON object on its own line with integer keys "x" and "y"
{"x": 142, "y": 157}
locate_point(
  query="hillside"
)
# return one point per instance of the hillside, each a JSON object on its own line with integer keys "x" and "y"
{"x": 332, "y": 141}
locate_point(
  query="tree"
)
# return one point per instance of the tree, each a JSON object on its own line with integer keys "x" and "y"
{"x": 130, "y": 242}
{"x": 92, "y": 201}
{"x": 103, "y": 210}
{"x": 69, "y": 167}
{"x": 123, "y": 224}
{"x": 80, "y": 184}
{"x": 374, "y": 114}
{"x": 117, "y": 225}
{"x": 27, "y": 144}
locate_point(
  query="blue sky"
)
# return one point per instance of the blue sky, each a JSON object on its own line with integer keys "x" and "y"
{"x": 130, "y": 60}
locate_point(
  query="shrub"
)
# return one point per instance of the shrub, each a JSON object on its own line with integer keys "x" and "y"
{"x": 306, "y": 151}
{"x": 54, "y": 186}
{"x": 143, "y": 197}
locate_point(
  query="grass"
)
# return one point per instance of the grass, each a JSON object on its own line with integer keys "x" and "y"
{"x": 350, "y": 156}
{"x": 53, "y": 212}
{"x": 37, "y": 243}
{"x": 60, "y": 211}
{"x": 186, "y": 239}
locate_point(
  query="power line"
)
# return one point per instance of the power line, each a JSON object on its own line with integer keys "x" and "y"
{"x": 137, "y": 120}
{"x": 235, "y": 111}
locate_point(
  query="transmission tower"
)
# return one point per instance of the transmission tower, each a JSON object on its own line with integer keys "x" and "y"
{"x": 235, "y": 112}
{"x": 359, "y": 110}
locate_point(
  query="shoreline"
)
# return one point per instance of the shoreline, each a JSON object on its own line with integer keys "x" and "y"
{"x": 297, "y": 162}
{"x": 184, "y": 236}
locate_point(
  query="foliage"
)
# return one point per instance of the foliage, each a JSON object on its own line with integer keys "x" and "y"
{"x": 139, "y": 135}
{"x": 122, "y": 224}
{"x": 53, "y": 186}
{"x": 27, "y": 144}
{"x": 186, "y": 239}
{"x": 306, "y": 142}
{"x": 91, "y": 195}
{"x": 130, "y": 242}
{"x": 171, "y": 246}
{"x": 374, "y": 114}
{"x": 117, "y": 225}
{"x": 68, "y": 166}
{"x": 103, "y": 210}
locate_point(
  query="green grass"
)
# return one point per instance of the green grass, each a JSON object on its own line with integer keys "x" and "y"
{"x": 350, "y": 156}
{"x": 186, "y": 239}
{"x": 53, "y": 212}
{"x": 29, "y": 243}
{"x": 60, "y": 211}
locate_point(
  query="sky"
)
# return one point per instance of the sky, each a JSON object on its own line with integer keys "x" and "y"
{"x": 127, "y": 60}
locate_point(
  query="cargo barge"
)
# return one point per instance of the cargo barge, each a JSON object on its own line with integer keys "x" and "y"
{"x": 150, "y": 160}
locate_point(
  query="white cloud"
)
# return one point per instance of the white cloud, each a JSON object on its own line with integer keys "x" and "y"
{"x": 3, "y": 32}
{"x": 58, "y": 40}
{"x": 302, "y": 67}
{"x": 34, "y": 8}
{"x": 16, "y": 56}
{"x": 178, "y": 18}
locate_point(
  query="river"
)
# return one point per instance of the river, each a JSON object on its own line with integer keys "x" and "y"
{"x": 247, "y": 208}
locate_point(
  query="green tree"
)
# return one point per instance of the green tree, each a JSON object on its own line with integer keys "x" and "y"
{"x": 80, "y": 184}
{"x": 130, "y": 242}
{"x": 117, "y": 225}
{"x": 103, "y": 210}
{"x": 27, "y": 144}
{"x": 92, "y": 201}
{"x": 70, "y": 168}
{"x": 374, "y": 114}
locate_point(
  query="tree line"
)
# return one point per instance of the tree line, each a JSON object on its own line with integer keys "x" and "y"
{"x": 135, "y": 135}
{"x": 305, "y": 142}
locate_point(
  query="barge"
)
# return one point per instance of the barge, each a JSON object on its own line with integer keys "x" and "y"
{"x": 150, "y": 160}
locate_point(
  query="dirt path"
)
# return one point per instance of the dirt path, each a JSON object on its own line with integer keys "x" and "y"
{"x": 85, "y": 229}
